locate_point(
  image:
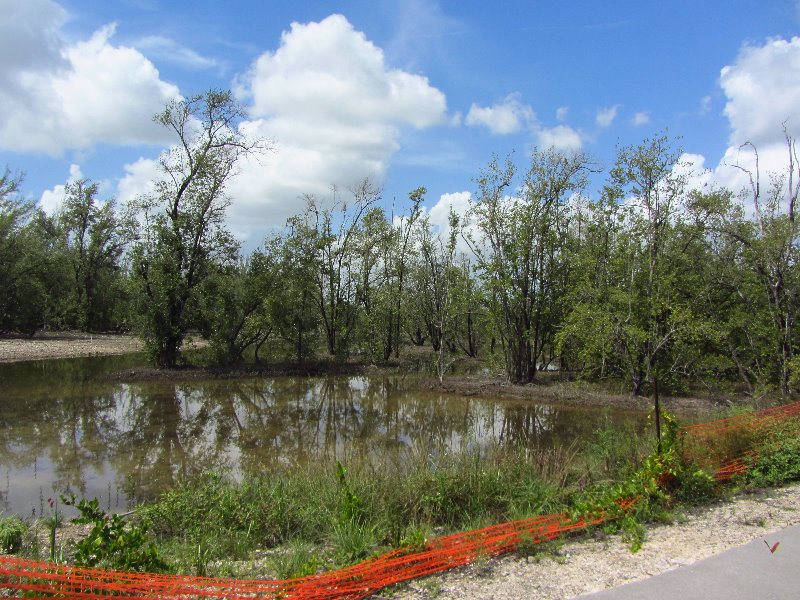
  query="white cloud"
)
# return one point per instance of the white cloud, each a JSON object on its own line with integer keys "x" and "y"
{"x": 169, "y": 50}
{"x": 560, "y": 137}
{"x": 439, "y": 216}
{"x": 138, "y": 180}
{"x": 641, "y": 118}
{"x": 561, "y": 113}
{"x": 509, "y": 116}
{"x": 512, "y": 116}
{"x": 605, "y": 116}
{"x": 334, "y": 110}
{"x": 51, "y": 200}
{"x": 763, "y": 91}
{"x": 73, "y": 96}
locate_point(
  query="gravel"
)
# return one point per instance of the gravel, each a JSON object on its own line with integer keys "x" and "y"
{"x": 66, "y": 344}
{"x": 572, "y": 568}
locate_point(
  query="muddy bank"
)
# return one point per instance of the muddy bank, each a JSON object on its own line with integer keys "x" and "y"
{"x": 549, "y": 389}
{"x": 555, "y": 390}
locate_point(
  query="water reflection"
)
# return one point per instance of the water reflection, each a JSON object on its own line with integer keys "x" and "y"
{"x": 67, "y": 429}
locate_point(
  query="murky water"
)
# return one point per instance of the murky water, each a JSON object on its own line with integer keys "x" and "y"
{"x": 66, "y": 429}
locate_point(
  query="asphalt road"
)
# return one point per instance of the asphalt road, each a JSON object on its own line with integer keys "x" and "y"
{"x": 753, "y": 571}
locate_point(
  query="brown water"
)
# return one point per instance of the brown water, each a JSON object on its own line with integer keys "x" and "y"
{"x": 66, "y": 429}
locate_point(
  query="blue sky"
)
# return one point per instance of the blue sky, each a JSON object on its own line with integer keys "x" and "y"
{"x": 409, "y": 93}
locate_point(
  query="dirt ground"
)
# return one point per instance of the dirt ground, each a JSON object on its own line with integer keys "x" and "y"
{"x": 66, "y": 344}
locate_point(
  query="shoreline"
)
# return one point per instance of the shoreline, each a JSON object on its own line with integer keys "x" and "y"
{"x": 66, "y": 344}
{"x": 72, "y": 344}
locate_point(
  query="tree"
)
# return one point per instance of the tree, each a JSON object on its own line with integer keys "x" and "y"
{"x": 769, "y": 246}
{"x": 521, "y": 251}
{"x": 184, "y": 232}
{"x": 93, "y": 238}
{"x": 332, "y": 232}
{"x": 636, "y": 302}
{"x": 236, "y": 303}
{"x": 26, "y": 237}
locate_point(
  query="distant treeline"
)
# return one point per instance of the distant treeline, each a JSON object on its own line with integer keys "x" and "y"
{"x": 653, "y": 280}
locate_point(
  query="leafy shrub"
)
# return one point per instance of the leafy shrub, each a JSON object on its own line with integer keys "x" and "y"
{"x": 112, "y": 542}
{"x": 778, "y": 461}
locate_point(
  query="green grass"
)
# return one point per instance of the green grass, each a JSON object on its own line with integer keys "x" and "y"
{"x": 364, "y": 505}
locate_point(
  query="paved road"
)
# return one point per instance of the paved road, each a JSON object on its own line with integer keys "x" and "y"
{"x": 748, "y": 572}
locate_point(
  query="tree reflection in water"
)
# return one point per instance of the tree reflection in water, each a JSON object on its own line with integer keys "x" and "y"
{"x": 66, "y": 430}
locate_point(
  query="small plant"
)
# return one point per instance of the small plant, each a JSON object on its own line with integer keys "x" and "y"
{"x": 297, "y": 561}
{"x": 53, "y": 522}
{"x": 352, "y": 506}
{"x": 112, "y": 542}
{"x": 11, "y": 530}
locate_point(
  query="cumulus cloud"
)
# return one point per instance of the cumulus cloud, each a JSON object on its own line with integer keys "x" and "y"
{"x": 605, "y": 116}
{"x": 51, "y": 200}
{"x": 560, "y": 137}
{"x": 139, "y": 180}
{"x": 512, "y": 116}
{"x": 508, "y": 116}
{"x": 439, "y": 216}
{"x": 763, "y": 91}
{"x": 641, "y": 118}
{"x": 334, "y": 110}
{"x": 72, "y": 96}
{"x": 562, "y": 112}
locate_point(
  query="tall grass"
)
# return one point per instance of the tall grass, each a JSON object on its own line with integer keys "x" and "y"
{"x": 363, "y": 504}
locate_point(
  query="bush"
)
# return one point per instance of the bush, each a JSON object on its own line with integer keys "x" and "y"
{"x": 113, "y": 543}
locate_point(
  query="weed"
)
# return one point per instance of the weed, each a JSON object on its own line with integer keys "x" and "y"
{"x": 112, "y": 542}
{"x": 778, "y": 460}
{"x": 11, "y": 532}
{"x": 297, "y": 560}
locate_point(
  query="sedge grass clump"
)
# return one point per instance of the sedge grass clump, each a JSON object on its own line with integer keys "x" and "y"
{"x": 361, "y": 504}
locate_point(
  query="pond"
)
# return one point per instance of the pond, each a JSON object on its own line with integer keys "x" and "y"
{"x": 67, "y": 428}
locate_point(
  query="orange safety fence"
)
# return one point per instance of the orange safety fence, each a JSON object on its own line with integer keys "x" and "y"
{"x": 702, "y": 443}
{"x": 725, "y": 447}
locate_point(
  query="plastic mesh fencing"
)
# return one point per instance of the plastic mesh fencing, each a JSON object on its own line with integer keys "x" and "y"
{"x": 720, "y": 447}
{"x": 725, "y": 447}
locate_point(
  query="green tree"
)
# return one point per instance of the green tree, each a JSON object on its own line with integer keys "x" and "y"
{"x": 236, "y": 302}
{"x": 768, "y": 254}
{"x": 519, "y": 253}
{"x": 184, "y": 233}
{"x": 636, "y": 295}
{"x": 26, "y": 240}
{"x": 93, "y": 238}
{"x": 332, "y": 234}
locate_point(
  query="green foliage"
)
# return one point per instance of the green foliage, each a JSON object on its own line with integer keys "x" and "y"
{"x": 184, "y": 236}
{"x": 11, "y": 532}
{"x": 777, "y": 462}
{"x": 352, "y": 506}
{"x": 112, "y": 542}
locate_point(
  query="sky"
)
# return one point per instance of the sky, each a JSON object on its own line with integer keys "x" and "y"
{"x": 408, "y": 93}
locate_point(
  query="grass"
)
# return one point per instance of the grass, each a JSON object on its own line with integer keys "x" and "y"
{"x": 334, "y": 514}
